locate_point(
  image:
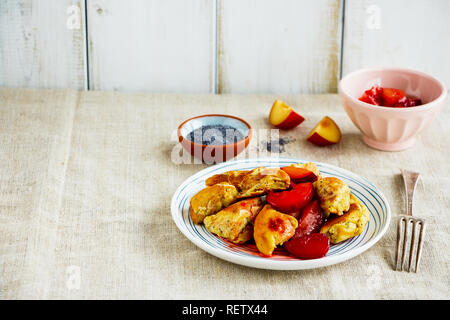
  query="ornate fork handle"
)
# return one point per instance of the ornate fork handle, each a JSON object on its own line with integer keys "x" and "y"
{"x": 410, "y": 179}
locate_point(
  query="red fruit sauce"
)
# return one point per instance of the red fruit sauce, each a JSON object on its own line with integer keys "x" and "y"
{"x": 276, "y": 224}
{"x": 388, "y": 97}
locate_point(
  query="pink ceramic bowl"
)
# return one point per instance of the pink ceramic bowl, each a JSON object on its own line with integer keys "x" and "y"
{"x": 385, "y": 128}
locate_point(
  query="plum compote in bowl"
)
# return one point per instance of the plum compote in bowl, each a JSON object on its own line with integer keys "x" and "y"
{"x": 392, "y": 128}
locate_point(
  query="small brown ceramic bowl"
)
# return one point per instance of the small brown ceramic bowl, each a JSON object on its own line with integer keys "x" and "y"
{"x": 215, "y": 153}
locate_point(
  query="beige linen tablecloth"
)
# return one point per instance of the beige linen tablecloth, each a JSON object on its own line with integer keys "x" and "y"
{"x": 86, "y": 180}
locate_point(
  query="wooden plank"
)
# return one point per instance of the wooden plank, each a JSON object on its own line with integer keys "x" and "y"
{"x": 273, "y": 46}
{"x": 154, "y": 46}
{"x": 42, "y": 44}
{"x": 404, "y": 33}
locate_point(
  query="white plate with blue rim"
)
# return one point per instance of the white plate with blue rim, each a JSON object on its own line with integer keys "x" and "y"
{"x": 247, "y": 254}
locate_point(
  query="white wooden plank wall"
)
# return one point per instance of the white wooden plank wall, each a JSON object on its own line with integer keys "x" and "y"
{"x": 42, "y": 44}
{"x": 152, "y": 45}
{"x": 216, "y": 46}
{"x": 401, "y": 33}
{"x": 278, "y": 46}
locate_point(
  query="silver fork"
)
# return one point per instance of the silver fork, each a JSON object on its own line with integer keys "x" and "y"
{"x": 404, "y": 221}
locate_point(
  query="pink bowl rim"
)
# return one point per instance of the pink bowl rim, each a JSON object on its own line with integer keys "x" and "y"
{"x": 425, "y": 106}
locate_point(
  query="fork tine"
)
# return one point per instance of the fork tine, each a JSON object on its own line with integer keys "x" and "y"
{"x": 413, "y": 238}
{"x": 405, "y": 240}
{"x": 419, "y": 249}
{"x": 400, "y": 223}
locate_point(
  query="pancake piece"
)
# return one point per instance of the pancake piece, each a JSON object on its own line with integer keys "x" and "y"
{"x": 272, "y": 228}
{"x": 333, "y": 194}
{"x": 261, "y": 180}
{"x": 232, "y": 177}
{"x": 211, "y": 200}
{"x": 235, "y": 222}
{"x": 349, "y": 225}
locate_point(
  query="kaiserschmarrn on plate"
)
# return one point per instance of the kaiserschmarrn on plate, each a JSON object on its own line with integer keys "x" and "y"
{"x": 233, "y": 206}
